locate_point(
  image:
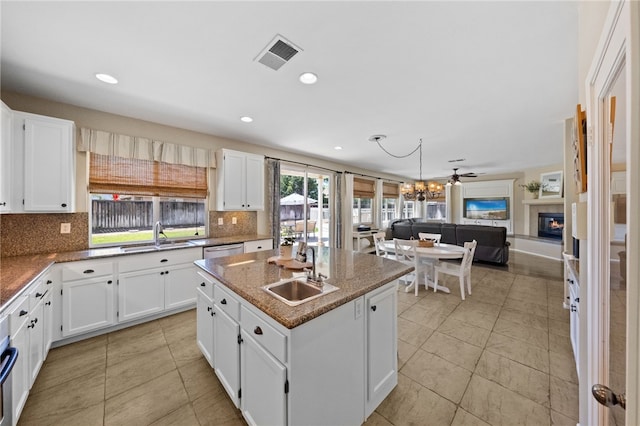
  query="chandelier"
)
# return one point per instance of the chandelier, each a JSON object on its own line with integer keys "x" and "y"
{"x": 418, "y": 190}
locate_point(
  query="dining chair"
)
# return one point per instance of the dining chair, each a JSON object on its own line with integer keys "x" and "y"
{"x": 461, "y": 270}
{"x": 381, "y": 250}
{"x": 429, "y": 236}
{"x": 407, "y": 254}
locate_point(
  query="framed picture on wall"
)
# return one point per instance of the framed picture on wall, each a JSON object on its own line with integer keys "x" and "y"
{"x": 551, "y": 185}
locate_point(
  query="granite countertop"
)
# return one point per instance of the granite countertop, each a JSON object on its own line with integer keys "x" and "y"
{"x": 17, "y": 272}
{"x": 354, "y": 273}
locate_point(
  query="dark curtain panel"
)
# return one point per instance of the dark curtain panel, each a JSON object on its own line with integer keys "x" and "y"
{"x": 273, "y": 199}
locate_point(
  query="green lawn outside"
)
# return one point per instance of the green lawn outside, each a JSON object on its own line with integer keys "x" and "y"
{"x": 115, "y": 238}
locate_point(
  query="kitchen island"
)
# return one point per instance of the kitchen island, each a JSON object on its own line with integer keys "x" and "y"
{"x": 330, "y": 360}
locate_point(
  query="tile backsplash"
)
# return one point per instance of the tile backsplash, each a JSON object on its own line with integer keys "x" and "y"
{"x": 25, "y": 234}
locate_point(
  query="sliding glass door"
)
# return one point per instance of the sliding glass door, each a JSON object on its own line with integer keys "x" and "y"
{"x": 305, "y": 204}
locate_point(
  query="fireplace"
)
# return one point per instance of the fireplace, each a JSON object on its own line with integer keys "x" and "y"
{"x": 550, "y": 225}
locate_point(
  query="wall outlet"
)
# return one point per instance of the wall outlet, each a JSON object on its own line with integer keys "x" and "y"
{"x": 220, "y": 221}
{"x": 65, "y": 228}
{"x": 234, "y": 220}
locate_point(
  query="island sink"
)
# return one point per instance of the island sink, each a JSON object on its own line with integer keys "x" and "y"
{"x": 297, "y": 290}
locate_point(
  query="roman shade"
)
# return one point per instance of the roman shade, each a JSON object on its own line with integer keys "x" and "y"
{"x": 363, "y": 188}
{"x": 390, "y": 190}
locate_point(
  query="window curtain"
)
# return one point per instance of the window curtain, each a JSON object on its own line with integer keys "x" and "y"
{"x": 346, "y": 211}
{"x": 273, "y": 198}
{"x": 117, "y": 145}
{"x": 377, "y": 204}
{"x": 337, "y": 211}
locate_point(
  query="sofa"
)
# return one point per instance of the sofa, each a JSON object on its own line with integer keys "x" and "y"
{"x": 492, "y": 240}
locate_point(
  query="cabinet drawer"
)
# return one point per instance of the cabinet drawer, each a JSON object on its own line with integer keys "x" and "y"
{"x": 36, "y": 294}
{"x": 270, "y": 338}
{"x": 18, "y": 314}
{"x": 86, "y": 269}
{"x": 159, "y": 259}
{"x": 225, "y": 301}
{"x": 258, "y": 245}
{"x": 205, "y": 284}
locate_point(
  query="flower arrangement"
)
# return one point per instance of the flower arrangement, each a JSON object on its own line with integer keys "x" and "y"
{"x": 533, "y": 186}
{"x": 287, "y": 238}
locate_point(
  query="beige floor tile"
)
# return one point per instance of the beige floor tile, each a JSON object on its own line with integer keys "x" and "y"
{"x": 185, "y": 350}
{"x": 183, "y": 416}
{"x": 560, "y": 328}
{"x": 120, "y": 348}
{"x": 563, "y": 366}
{"x": 528, "y": 335}
{"x": 487, "y": 295}
{"x": 431, "y": 318}
{"x": 89, "y": 416}
{"x": 376, "y": 419}
{"x": 66, "y": 399}
{"x": 564, "y": 397}
{"x": 497, "y": 405}
{"x": 453, "y": 350}
{"x": 519, "y": 378}
{"x": 437, "y": 374}
{"x": 558, "y": 419}
{"x": 148, "y": 402}
{"x": 134, "y": 332}
{"x": 464, "y": 418}
{"x": 405, "y": 351}
{"x": 476, "y": 318}
{"x": 78, "y": 348}
{"x": 522, "y": 318}
{"x": 466, "y": 332}
{"x": 403, "y": 307}
{"x": 199, "y": 379}
{"x": 518, "y": 351}
{"x": 413, "y": 333}
{"x": 176, "y": 329}
{"x": 560, "y": 344}
{"x": 135, "y": 371}
{"x": 412, "y": 404}
{"x": 527, "y": 307}
{"x": 217, "y": 411}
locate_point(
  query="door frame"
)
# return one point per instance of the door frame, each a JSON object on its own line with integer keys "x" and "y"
{"x": 618, "y": 47}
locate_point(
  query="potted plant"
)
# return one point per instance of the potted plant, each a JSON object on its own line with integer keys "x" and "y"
{"x": 533, "y": 187}
{"x": 286, "y": 243}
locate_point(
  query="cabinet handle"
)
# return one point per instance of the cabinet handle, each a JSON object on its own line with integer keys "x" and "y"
{"x": 161, "y": 273}
{"x": 257, "y": 330}
{"x": 203, "y": 285}
{"x": 223, "y": 302}
{"x": 30, "y": 325}
{"x": 212, "y": 313}
{"x": 3, "y": 204}
{"x": 577, "y": 300}
{"x": 49, "y": 282}
{"x": 64, "y": 204}
{"x": 163, "y": 261}
{"x": 166, "y": 272}
{"x": 373, "y": 308}
{"x": 573, "y": 308}
{"x": 23, "y": 313}
{"x": 38, "y": 295}
{"x": 35, "y": 320}
{"x": 208, "y": 308}
{"x": 88, "y": 271}
{"x": 48, "y": 303}
{"x": 109, "y": 282}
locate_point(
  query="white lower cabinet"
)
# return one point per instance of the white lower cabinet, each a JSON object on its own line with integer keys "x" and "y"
{"x": 140, "y": 294}
{"x": 18, "y": 322}
{"x": 205, "y": 319}
{"x": 87, "y": 305}
{"x": 226, "y": 350}
{"x": 179, "y": 286}
{"x": 264, "y": 398}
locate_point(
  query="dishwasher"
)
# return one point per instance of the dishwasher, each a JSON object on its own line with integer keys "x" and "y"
{"x": 221, "y": 251}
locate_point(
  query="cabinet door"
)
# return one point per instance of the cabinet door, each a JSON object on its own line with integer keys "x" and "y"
{"x": 254, "y": 183}
{"x": 140, "y": 294}
{"x": 47, "y": 318}
{"x": 20, "y": 372}
{"x": 6, "y": 169}
{"x": 227, "y": 354}
{"x": 234, "y": 182}
{"x": 381, "y": 338}
{"x": 180, "y": 286}
{"x": 36, "y": 341}
{"x": 87, "y": 305}
{"x": 264, "y": 401}
{"x": 205, "y": 319}
{"x": 49, "y": 168}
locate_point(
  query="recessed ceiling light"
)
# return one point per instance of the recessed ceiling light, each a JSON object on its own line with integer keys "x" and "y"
{"x": 337, "y": 148}
{"x": 106, "y": 78}
{"x": 246, "y": 119}
{"x": 308, "y": 78}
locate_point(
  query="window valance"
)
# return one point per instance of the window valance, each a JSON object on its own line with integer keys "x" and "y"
{"x": 114, "y": 144}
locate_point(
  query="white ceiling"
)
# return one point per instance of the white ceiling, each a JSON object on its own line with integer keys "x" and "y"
{"x": 490, "y": 82}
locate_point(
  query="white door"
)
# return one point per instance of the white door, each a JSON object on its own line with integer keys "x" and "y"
{"x": 227, "y": 354}
{"x": 612, "y": 357}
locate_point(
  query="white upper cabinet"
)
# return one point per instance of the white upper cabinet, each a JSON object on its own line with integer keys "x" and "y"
{"x": 240, "y": 179}
{"x": 6, "y": 169}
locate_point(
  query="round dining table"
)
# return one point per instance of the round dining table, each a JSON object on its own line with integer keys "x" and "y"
{"x": 434, "y": 254}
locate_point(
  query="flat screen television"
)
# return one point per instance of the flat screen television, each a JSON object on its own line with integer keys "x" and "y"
{"x": 486, "y": 208}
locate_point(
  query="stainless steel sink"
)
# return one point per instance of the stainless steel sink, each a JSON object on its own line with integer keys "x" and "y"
{"x": 295, "y": 291}
{"x": 152, "y": 247}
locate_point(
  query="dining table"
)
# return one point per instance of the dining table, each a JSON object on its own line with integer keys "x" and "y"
{"x": 434, "y": 254}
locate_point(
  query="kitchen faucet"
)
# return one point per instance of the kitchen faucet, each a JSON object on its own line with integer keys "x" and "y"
{"x": 157, "y": 231}
{"x": 311, "y": 275}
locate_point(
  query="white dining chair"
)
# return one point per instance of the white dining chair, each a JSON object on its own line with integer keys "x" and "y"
{"x": 461, "y": 270}
{"x": 406, "y": 253}
{"x": 381, "y": 250}
{"x": 429, "y": 236}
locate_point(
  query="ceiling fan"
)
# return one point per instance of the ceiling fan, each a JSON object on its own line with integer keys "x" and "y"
{"x": 455, "y": 177}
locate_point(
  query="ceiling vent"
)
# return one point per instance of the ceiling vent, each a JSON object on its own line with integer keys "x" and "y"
{"x": 277, "y": 53}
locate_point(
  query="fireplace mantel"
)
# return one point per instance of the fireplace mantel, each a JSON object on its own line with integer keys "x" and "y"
{"x": 543, "y": 201}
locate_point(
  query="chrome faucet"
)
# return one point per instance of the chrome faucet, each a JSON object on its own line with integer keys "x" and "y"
{"x": 311, "y": 275}
{"x": 157, "y": 231}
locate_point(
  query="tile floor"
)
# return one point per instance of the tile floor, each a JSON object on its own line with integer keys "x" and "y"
{"x": 501, "y": 357}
